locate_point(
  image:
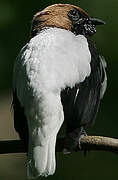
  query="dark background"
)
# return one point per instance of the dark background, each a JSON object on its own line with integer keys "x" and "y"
{"x": 15, "y": 21}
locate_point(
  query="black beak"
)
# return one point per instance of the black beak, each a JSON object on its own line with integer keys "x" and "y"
{"x": 95, "y": 21}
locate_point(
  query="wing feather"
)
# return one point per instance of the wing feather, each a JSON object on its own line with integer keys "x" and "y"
{"x": 81, "y": 103}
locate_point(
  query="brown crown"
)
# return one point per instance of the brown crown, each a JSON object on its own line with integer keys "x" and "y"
{"x": 53, "y": 16}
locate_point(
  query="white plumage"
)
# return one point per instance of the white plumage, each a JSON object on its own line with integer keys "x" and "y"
{"x": 51, "y": 61}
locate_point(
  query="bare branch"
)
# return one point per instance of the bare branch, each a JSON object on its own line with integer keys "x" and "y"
{"x": 99, "y": 143}
{"x": 88, "y": 143}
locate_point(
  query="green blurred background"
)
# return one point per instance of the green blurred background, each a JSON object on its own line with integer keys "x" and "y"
{"x": 15, "y": 21}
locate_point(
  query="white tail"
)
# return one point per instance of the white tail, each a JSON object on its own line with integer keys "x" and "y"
{"x": 41, "y": 159}
{"x": 42, "y": 136}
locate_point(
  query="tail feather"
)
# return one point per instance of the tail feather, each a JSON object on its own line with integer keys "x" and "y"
{"x": 41, "y": 160}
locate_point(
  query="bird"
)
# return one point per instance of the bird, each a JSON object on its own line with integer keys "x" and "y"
{"x": 58, "y": 77}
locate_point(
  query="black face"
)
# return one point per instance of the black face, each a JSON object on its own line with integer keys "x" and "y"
{"x": 82, "y": 24}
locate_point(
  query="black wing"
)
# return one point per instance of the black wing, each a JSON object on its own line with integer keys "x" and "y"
{"x": 81, "y": 103}
{"x": 20, "y": 121}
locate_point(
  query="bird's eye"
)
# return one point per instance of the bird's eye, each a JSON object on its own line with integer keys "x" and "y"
{"x": 74, "y": 14}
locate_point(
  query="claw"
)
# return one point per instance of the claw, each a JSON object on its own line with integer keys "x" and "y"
{"x": 73, "y": 140}
{"x": 79, "y": 141}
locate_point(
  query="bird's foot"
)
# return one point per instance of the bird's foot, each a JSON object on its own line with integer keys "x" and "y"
{"x": 73, "y": 141}
{"x": 79, "y": 140}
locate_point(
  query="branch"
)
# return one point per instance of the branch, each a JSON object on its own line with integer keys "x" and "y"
{"x": 100, "y": 143}
{"x": 88, "y": 143}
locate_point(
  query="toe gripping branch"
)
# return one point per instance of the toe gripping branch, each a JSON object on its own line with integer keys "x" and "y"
{"x": 73, "y": 140}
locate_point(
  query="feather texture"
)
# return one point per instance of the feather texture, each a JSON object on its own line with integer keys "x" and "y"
{"x": 50, "y": 62}
{"x": 81, "y": 103}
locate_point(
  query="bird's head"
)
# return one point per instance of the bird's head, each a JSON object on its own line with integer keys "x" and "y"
{"x": 65, "y": 16}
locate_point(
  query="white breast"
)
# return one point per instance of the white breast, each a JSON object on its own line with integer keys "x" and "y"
{"x": 54, "y": 59}
{"x": 50, "y": 62}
